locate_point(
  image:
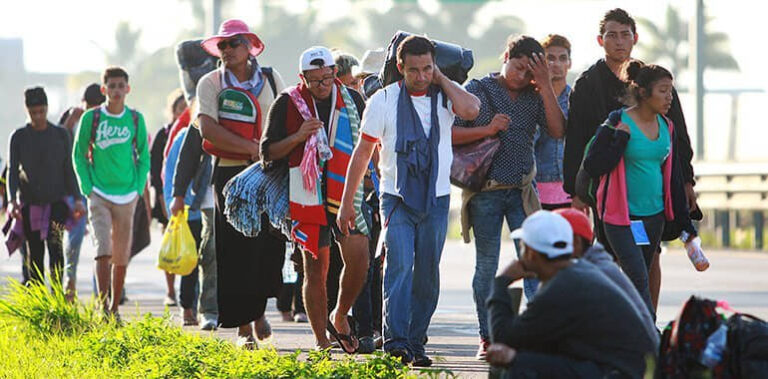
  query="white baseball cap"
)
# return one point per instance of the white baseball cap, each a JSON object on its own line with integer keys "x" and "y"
{"x": 372, "y": 62}
{"x": 548, "y": 233}
{"x": 314, "y": 53}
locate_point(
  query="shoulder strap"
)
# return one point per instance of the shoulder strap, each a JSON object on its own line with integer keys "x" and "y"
{"x": 135, "y": 117}
{"x": 267, "y": 71}
{"x": 94, "y": 128}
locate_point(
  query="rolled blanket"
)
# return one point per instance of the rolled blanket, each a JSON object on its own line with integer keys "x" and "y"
{"x": 254, "y": 192}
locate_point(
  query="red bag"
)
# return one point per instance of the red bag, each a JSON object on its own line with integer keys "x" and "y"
{"x": 240, "y": 113}
{"x": 471, "y": 163}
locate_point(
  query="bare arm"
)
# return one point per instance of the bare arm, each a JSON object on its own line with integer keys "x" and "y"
{"x": 355, "y": 172}
{"x": 465, "y": 104}
{"x": 226, "y": 140}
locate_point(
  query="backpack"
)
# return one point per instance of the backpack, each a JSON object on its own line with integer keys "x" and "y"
{"x": 685, "y": 338}
{"x": 747, "y": 346}
{"x": 586, "y": 185}
{"x": 95, "y": 126}
{"x": 241, "y": 114}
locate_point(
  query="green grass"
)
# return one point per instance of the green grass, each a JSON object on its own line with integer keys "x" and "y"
{"x": 42, "y": 335}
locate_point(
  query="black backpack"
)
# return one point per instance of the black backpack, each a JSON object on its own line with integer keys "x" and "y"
{"x": 747, "y": 346}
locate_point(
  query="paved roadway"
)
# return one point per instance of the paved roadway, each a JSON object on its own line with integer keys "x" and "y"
{"x": 738, "y": 277}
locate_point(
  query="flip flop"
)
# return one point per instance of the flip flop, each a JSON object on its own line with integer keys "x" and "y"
{"x": 348, "y": 338}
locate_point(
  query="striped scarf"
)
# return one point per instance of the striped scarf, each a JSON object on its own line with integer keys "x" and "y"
{"x": 307, "y": 207}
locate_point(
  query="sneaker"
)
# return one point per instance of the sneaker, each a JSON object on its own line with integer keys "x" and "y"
{"x": 300, "y": 317}
{"x": 169, "y": 301}
{"x": 482, "y": 349}
{"x": 422, "y": 360}
{"x": 366, "y": 346}
{"x": 209, "y": 324}
{"x": 402, "y": 354}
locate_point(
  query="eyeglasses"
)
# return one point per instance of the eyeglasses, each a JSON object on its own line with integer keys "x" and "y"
{"x": 232, "y": 43}
{"x": 326, "y": 81}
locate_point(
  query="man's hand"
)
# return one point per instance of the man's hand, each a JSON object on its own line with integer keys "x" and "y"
{"x": 499, "y": 354}
{"x": 345, "y": 219}
{"x": 577, "y": 203}
{"x": 437, "y": 76}
{"x": 177, "y": 205}
{"x": 500, "y": 122}
{"x": 15, "y": 210}
{"x": 540, "y": 70}
{"x": 255, "y": 150}
{"x": 79, "y": 209}
{"x": 307, "y": 128}
{"x": 690, "y": 195}
{"x": 516, "y": 271}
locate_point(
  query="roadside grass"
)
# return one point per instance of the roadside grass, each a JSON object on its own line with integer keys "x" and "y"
{"x": 43, "y": 335}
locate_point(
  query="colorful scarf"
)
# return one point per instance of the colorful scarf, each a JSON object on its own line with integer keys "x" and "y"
{"x": 307, "y": 207}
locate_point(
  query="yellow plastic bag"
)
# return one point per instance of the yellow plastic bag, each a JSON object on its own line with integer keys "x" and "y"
{"x": 178, "y": 253}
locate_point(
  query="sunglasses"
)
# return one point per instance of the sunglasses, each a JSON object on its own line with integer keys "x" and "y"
{"x": 232, "y": 43}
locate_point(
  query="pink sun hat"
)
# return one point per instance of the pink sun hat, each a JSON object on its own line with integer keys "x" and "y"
{"x": 231, "y": 28}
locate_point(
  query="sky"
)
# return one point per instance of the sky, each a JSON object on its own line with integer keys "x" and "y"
{"x": 88, "y": 26}
{"x": 69, "y": 36}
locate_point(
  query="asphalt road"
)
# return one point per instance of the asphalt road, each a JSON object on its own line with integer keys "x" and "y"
{"x": 738, "y": 277}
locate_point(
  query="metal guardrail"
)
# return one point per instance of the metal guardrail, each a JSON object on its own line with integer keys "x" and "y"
{"x": 728, "y": 187}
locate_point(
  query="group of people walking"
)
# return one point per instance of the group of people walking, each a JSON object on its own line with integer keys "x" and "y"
{"x": 366, "y": 183}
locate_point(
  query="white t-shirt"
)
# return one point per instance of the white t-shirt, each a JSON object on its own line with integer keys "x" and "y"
{"x": 380, "y": 122}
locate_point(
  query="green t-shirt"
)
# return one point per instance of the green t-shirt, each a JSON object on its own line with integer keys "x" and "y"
{"x": 643, "y": 160}
{"x": 114, "y": 171}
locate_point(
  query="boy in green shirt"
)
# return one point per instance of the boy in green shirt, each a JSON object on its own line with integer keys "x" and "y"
{"x": 111, "y": 159}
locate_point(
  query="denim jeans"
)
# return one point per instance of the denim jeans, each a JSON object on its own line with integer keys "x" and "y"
{"x": 487, "y": 211}
{"x": 208, "y": 305}
{"x": 636, "y": 260}
{"x": 363, "y": 307}
{"x": 414, "y": 243}
{"x": 74, "y": 242}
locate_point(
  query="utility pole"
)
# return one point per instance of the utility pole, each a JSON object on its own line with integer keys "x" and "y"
{"x": 696, "y": 33}
{"x": 212, "y": 16}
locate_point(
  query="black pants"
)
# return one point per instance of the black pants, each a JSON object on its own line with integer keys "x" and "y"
{"x": 249, "y": 270}
{"x": 538, "y": 365}
{"x": 35, "y": 260}
{"x": 369, "y": 301}
{"x": 189, "y": 283}
{"x": 291, "y": 298}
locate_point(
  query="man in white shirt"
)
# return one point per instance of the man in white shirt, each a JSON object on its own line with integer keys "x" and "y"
{"x": 415, "y": 168}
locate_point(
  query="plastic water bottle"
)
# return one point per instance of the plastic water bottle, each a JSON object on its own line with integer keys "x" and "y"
{"x": 695, "y": 254}
{"x": 713, "y": 353}
{"x": 289, "y": 274}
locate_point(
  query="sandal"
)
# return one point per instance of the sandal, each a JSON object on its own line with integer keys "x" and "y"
{"x": 350, "y": 338}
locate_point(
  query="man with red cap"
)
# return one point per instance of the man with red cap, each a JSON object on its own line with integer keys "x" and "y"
{"x": 232, "y": 104}
{"x": 595, "y": 253}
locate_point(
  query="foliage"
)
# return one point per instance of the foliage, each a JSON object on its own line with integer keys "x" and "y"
{"x": 43, "y": 335}
{"x": 669, "y": 45}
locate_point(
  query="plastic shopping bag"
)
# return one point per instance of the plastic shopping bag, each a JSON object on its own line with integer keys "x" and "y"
{"x": 178, "y": 253}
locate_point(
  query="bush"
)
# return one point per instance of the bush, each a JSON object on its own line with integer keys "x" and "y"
{"x": 42, "y": 335}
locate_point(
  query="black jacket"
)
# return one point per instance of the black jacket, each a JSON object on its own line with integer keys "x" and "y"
{"x": 595, "y": 94}
{"x": 606, "y": 152}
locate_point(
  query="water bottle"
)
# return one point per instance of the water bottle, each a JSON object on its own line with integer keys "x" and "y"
{"x": 290, "y": 275}
{"x": 713, "y": 353}
{"x": 695, "y": 254}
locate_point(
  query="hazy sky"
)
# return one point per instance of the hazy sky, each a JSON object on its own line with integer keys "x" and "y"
{"x": 65, "y": 36}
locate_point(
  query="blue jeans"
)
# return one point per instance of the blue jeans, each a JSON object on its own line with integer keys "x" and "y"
{"x": 487, "y": 211}
{"x": 412, "y": 272}
{"x": 74, "y": 242}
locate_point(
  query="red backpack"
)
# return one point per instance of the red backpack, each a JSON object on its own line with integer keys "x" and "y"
{"x": 685, "y": 338}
